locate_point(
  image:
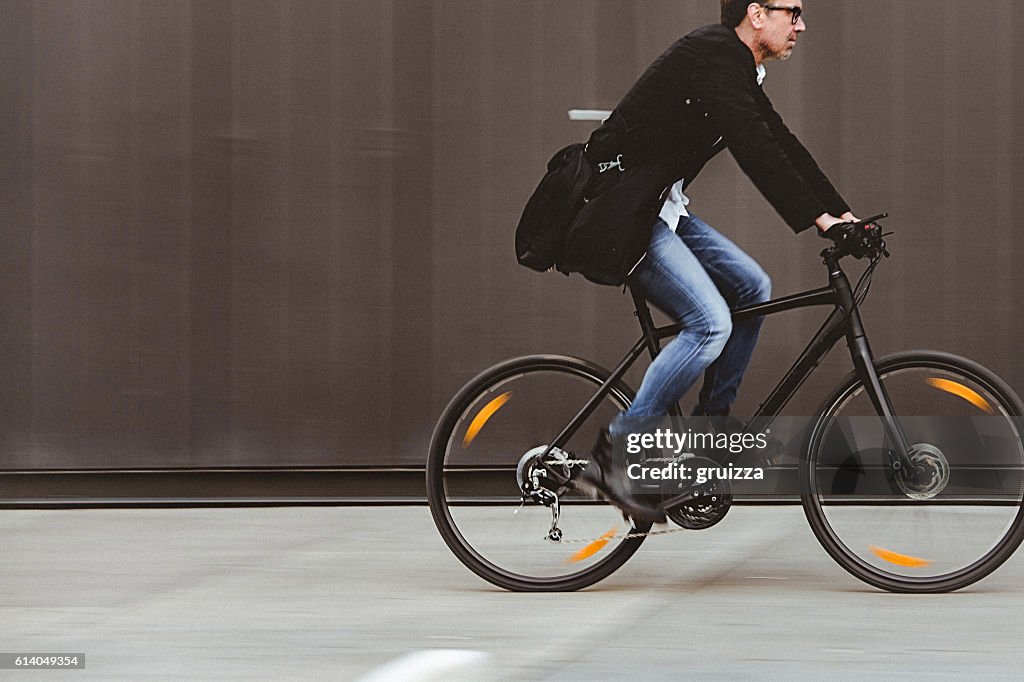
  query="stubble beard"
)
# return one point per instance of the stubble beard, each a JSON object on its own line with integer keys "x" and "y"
{"x": 766, "y": 53}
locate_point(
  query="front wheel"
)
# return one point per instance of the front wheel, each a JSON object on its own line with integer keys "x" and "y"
{"x": 952, "y": 517}
{"x": 491, "y": 441}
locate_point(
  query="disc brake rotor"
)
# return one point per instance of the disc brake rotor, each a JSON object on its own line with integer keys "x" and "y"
{"x": 928, "y": 474}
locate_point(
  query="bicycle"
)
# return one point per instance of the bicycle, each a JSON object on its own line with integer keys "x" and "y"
{"x": 505, "y": 452}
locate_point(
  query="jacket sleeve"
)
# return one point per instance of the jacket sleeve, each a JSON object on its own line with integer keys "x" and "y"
{"x": 804, "y": 162}
{"x": 730, "y": 97}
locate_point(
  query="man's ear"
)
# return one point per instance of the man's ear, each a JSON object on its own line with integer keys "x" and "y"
{"x": 756, "y": 15}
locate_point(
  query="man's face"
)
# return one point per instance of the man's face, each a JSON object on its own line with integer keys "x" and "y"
{"x": 777, "y": 35}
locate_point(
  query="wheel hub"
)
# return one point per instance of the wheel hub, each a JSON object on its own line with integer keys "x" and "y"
{"x": 532, "y": 473}
{"x": 928, "y": 474}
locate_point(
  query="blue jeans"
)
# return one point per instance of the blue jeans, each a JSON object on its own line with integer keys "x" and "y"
{"x": 697, "y": 277}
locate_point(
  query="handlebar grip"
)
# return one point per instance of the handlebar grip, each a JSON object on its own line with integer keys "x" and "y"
{"x": 839, "y": 232}
{"x": 880, "y": 216}
{"x": 860, "y": 239}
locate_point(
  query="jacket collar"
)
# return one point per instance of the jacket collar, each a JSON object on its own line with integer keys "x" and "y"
{"x": 718, "y": 39}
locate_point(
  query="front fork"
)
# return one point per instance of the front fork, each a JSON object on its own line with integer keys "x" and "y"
{"x": 864, "y": 366}
{"x": 899, "y": 455}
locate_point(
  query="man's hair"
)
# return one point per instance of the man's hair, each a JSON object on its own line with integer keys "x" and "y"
{"x": 733, "y": 12}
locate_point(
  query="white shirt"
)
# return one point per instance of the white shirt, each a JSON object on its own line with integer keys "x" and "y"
{"x": 676, "y": 203}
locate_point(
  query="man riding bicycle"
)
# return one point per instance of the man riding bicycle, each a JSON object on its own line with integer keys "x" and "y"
{"x": 700, "y": 97}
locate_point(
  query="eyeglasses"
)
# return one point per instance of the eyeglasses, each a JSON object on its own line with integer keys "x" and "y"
{"x": 796, "y": 12}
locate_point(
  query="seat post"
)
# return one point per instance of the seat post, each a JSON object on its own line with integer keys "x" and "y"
{"x": 643, "y": 314}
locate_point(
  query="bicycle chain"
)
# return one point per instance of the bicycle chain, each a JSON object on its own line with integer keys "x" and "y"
{"x": 628, "y": 536}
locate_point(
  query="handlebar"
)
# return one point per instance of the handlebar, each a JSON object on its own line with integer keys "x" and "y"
{"x": 862, "y": 239}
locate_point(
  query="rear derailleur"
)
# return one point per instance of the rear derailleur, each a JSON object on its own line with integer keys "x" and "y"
{"x": 543, "y": 479}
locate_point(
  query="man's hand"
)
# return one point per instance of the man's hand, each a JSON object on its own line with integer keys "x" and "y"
{"x": 826, "y": 221}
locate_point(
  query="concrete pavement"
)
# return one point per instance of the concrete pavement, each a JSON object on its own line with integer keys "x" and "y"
{"x": 338, "y": 593}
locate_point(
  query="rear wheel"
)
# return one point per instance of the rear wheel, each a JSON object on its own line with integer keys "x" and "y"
{"x": 489, "y": 445}
{"x": 954, "y": 516}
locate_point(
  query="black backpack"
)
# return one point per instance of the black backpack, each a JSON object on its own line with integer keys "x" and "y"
{"x": 544, "y": 226}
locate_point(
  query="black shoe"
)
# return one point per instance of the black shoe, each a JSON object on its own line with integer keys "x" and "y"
{"x": 600, "y": 479}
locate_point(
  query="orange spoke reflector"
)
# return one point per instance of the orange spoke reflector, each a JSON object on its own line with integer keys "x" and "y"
{"x": 899, "y": 559}
{"x": 961, "y": 391}
{"x": 481, "y": 418}
{"x": 593, "y": 548}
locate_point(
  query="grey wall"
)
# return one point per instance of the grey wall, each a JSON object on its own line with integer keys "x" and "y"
{"x": 269, "y": 232}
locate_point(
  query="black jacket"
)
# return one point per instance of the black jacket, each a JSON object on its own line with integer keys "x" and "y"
{"x": 697, "y": 99}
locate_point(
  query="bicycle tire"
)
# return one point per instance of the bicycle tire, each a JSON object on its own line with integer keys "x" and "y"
{"x": 445, "y": 436}
{"x": 899, "y": 368}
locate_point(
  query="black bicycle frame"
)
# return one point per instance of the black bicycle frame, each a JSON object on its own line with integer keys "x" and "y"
{"x": 845, "y": 321}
